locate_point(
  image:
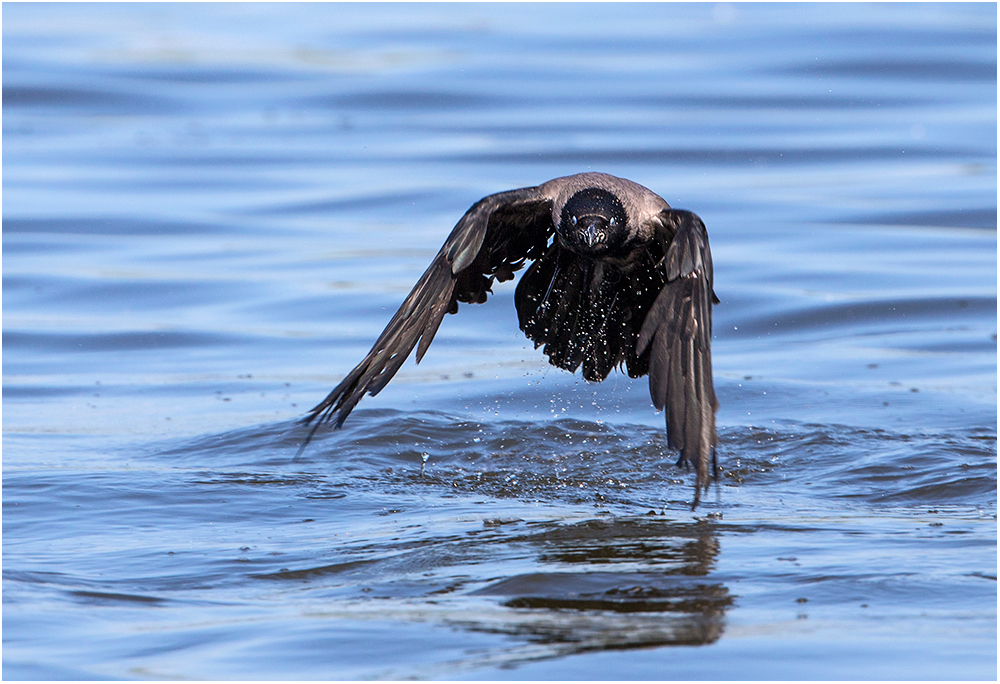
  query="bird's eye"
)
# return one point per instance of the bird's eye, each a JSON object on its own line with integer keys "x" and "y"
{"x": 574, "y": 220}
{"x": 613, "y": 221}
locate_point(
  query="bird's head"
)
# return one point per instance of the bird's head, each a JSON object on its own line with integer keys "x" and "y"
{"x": 593, "y": 221}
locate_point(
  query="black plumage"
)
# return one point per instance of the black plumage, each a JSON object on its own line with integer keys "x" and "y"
{"x": 617, "y": 279}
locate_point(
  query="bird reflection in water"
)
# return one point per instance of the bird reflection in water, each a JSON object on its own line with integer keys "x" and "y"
{"x": 669, "y": 601}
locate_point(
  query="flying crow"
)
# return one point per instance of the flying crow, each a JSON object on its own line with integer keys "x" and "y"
{"x": 616, "y": 278}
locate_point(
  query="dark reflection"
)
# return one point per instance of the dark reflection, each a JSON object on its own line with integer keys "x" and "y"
{"x": 843, "y": 317}
{"x": 109, "y": 598}
{"x": 37, "y": 97}
{"x": 605, "y": 584}
{"x": 104, "y": 342}
{"x": 779, "y": 101}
{"x": 107, "y": 226}
{"x": 254, "y": 480}
{"x": 310, "y": 573}
{"x": 211, "y": 76}
{"x": 408, "y": 100}
{"x": 734, "y": 156}
{"x": 362, "y": 202}
{"x": 670, "y": 601}
{"x": 688, "y": 548}
{"x": 618, "y": 592}
{"x": 970, "y": 217}
{"x": 924, "y": 70}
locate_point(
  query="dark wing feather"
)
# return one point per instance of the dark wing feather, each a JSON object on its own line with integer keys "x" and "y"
{"x": 677, "y": 333}
{"x": 491, "y": 241}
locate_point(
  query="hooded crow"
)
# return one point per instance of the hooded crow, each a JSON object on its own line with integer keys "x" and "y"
{"x": 616, "y": 278}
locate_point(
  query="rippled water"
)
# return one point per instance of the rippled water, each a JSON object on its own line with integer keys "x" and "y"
{"x": 211, "y": 211}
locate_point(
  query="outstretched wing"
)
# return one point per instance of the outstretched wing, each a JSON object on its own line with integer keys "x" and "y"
{"x": 678, "y": 334}
{"x": 490, "y": 242}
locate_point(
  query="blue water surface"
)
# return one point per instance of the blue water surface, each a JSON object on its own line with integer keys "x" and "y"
{"x": 211, "y": 211}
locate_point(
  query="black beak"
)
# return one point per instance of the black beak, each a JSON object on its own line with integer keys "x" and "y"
{"x": 593, "y": 230}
